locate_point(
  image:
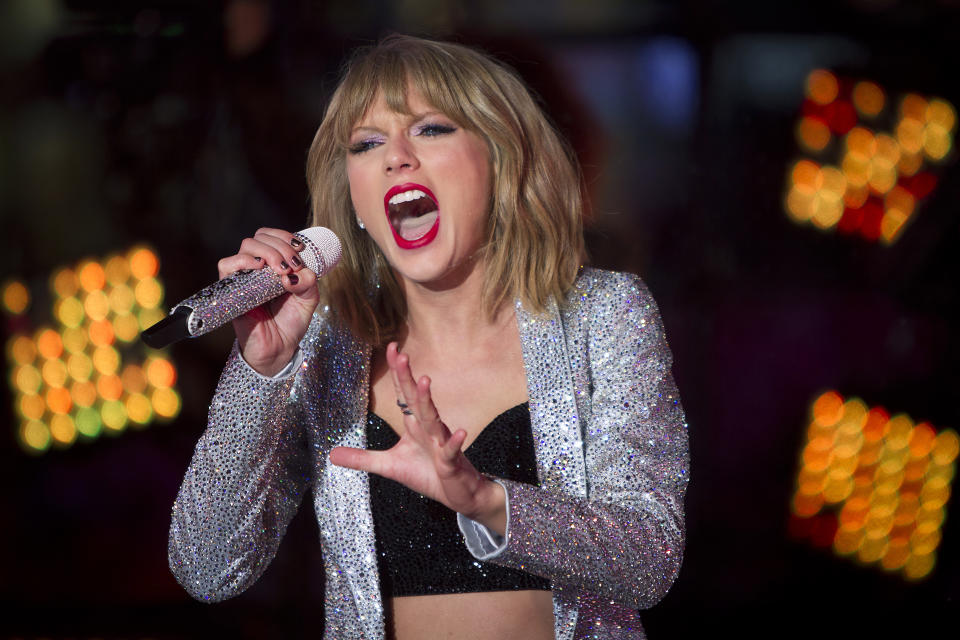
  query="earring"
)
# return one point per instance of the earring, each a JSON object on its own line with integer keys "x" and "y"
{"x": 360, "y": 223}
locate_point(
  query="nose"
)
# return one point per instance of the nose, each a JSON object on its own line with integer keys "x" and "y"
{"x": 400, "y": 156}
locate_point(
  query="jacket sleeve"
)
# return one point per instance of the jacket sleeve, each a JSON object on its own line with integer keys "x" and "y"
{"x": 244, "y": 484}
{"x": 624, "y": 541}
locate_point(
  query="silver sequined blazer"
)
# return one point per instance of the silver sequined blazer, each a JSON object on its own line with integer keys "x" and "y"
{"x": 605, "y": 525}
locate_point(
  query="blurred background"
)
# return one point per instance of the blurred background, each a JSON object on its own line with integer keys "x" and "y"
{"x": 782, "y": 174}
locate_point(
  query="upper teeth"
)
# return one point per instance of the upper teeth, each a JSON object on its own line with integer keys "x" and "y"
{"x": 407, "y": 196}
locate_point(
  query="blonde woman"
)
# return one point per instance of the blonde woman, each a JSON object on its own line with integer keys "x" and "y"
{"x": 491, "y": 434}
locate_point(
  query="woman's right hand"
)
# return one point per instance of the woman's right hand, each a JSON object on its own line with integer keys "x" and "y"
{"x": 268, "y": 335}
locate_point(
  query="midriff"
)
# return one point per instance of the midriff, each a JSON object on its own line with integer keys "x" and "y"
{"x": 490, "y": 615}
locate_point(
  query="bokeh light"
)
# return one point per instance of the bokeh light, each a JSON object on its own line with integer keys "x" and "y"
{"x": 88, "y": 374}
{"x": 865, "y": 183}
{"x": 880, "y": 483}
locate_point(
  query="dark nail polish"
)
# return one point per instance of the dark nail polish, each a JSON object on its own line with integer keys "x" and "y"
{"x": 296, "y": 244}
{"x": 293, "y": 278}
{"x": 296, "y": 261}
{"x": 284, "y": 265}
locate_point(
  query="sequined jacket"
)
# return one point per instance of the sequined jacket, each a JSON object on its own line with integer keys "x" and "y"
{"x": 605, "y": 525}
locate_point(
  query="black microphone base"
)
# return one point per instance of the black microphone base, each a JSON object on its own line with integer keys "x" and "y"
{"x": 171, "y": 329}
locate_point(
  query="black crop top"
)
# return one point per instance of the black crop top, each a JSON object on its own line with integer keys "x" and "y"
{"x": 420, "y": 549}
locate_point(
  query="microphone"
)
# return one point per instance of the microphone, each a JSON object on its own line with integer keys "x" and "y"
{"x": 241, "y": 291}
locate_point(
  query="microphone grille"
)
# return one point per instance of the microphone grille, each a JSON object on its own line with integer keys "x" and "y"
{"x": 321, "y": 249}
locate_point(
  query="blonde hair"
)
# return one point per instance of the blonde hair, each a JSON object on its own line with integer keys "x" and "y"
{"x": 534, "y": 244}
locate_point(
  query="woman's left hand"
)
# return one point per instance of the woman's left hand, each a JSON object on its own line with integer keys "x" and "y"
{"x": 428, "y": 459}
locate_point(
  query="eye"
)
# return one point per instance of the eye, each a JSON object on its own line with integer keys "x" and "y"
{"x": 435, "y": 129}
{"x": 363, "y": 145}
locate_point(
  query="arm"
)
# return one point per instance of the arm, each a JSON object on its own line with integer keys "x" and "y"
{"x": 247, "y": 477}
{"x": 625, "y": 540}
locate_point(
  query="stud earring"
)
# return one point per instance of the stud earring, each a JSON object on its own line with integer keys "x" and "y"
{"x": 360, "y": 223}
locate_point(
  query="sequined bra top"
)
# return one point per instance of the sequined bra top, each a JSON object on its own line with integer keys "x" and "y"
{"x": 420, "y": 549}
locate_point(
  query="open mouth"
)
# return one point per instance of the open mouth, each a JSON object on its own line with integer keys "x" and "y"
{"x": 413, "y": 214}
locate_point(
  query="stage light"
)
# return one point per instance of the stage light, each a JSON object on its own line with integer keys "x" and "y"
{"x": 883, "y": 481}
{"x": 86, "y": 375}
{"x": 872, "y": 162}
{"x": 16, "y": 297}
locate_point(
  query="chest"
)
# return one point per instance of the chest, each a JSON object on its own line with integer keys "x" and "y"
{"x": 468, "y": 394}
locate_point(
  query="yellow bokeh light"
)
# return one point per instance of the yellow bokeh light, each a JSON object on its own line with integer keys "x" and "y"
{"x": 65, "y": 283}
{"x": 122, "y": 299}
{"x": 901, "y": 200}
{"x": 872, "y": 548}
{"x": 896, "y": 555}
{"x": 84, "y": 393}
{"x": 166, "y": 402}
{"x": 63, "y": 430}
{"x": 856, "y": 168}
{"x": 828, "y": 408}
{"x": 856, "y": 195}
{"x": 106, "y": 360}
{"x": 16, "y": 297}
{"x": 54, "y": 373}
{"x": 143, "y": 263}
{"x": 79, "y": 366}
{"x": 924, "y": 542}
{"x": 117, "y": 270}
{"x": 847, "y": 541}
{"x": 114, "y": 416}
{"x": 32, "y": 406}
{"x": 69, "y": 311}
{"x": 22, "y": 350}
{"x": 946, "y": 446}
{"x": 89, "y": 422}
{"x": 861, "y": 140}
{"x": 868, "y": 98}
{"x": 937, "y": 141}
{"x": 919, "y": 566}
{"x": 822, "y": 86}
{"x": 942, "y": 113}
{"x": 148, "y": 293}
{"x": 126, "y": 328}
{"x": 883, "y": 174}
{"x": 34, "y": 436}
{"x": 27, "y": 379}
{"x": 887, "y": 148}
{"x": 799, "y": 203}
{"x": 806, "y": 173}
{"x": 813, "y": 133}
{"x": 74, "y": 339}
{"x": 892, "y": 224}
{"x": 139, "y": 409}
{"x": 96, "y": 304}
{"x": 92, "y": 277}
{"x": 910, "y": 135}
{"x": 827, "y": 209}
{"x": 837, "y": 488}
{"x": 49, "y": 344}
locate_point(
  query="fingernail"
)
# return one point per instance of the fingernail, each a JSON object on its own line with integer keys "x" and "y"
{"x": 284, "y": 265}
{"x": 296, "y": 244}
{"x": 296, "y": 261}
{"x": 293, "y": 278}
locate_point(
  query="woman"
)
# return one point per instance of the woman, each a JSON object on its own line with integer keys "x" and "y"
{"x": 459, "y": 310}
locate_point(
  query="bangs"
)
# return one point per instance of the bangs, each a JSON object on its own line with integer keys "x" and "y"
{"x": 392, "y": 71}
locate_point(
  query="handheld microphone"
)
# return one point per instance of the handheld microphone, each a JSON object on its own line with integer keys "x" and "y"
{"x": 234, "y": 295}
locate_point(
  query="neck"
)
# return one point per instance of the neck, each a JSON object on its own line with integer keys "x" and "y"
{"x": 451, "y": 319}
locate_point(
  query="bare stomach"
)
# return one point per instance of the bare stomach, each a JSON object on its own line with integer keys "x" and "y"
{"x": 491, "y": 615}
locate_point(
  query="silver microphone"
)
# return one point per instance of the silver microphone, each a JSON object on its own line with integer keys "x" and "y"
{"x": 234, "y": 295}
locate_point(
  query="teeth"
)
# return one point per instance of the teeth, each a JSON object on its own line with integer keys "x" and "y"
{"x": 407, "y": 196}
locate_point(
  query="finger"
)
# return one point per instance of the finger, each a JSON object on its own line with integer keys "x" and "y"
{"x": 427, "y": 412}
{"x": 285, "y": 244}
{"x": 359, "y": 459}
{"x": 402, "y": 377}
{"x": 232, "y": 264}
{"x": 300, "y": 282}
{"x": 271, "y": 250}
{"x": 455, "y": 444}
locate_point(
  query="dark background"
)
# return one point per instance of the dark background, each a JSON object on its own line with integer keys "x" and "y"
{"x": 186, "y": 125}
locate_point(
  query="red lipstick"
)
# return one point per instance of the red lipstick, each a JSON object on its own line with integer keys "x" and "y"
{"x": 426, "y": 238}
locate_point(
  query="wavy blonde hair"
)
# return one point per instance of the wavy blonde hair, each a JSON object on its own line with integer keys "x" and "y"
{"x": 534, "y": 244}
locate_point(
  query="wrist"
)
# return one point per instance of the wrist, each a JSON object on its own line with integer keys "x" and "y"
{"x": 491, "y": 510}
